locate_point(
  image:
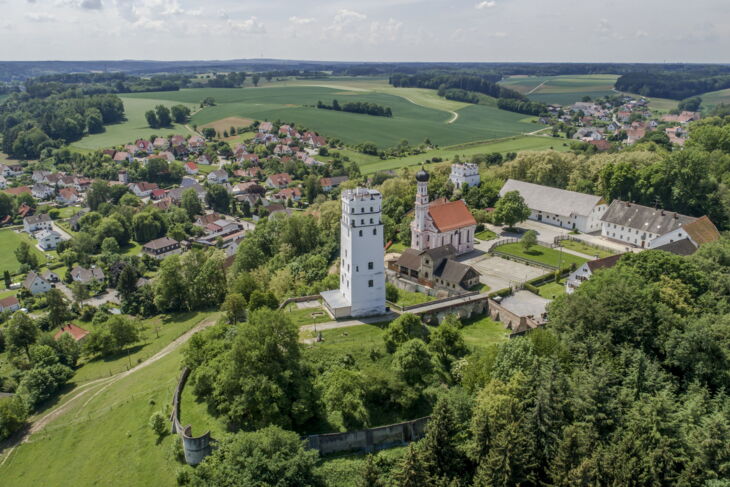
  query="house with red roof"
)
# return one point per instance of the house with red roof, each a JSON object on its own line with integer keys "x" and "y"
{"x": 191, "y": 168}
{"x": 10, "y": 303}
{"x": 75, "y": 332}
{"x": 280, "y": 180}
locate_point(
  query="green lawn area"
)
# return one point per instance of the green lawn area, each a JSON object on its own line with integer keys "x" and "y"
{"x": 714, "y": 98}
{"x": 159, "y": 331}
{"x": 584, "y": 248}
{"x": 304, "y": 316}
{"x": 541, "y": 255}
{"x": 397, "y": 247}
{"x": 408, "y": 298}
{"x": 9, "y": 241}
{"x": 486, "y": 235}
{"x": 106, "y": 439}
{"x": 482, "y": 332}
{"x": 67, "y": 211}
{"x": 132, "y": 248}
{"x": 552, "y": 290}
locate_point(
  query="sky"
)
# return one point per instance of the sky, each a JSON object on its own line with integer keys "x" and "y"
{"x": 368, "y": 30}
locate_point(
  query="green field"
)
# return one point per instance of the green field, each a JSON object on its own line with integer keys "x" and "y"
{"x": 9, "y": 241}
{"x": 407, "y": 298}
{"x": 304, "y": 316}
{"x": 541, "y": 255}
{"x": 135, "y": 127}
{"x": 552, "y": 290}
{"x": 714, "y": 98}
{"x": 482, "y": 332}
{"x": 562, "y": 90}
{"x": 584, "y": 248}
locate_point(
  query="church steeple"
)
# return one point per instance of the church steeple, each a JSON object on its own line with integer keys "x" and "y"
{"x": 419, "y": 224}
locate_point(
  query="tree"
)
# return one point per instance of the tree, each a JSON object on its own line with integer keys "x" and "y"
{"x": 440, "y": 451}
{"x": 163, "y": 116}
{"x": 391, "y": 293}
{"x": 218, "y": 198}
{"x": 127, "y": 282}
{"x": 170, "y": 287}
{"x": 255, "y": 79}
{"x": 152, "y": 120}
{"x": 6, "y": 277}
{"x": 113, "y": 335}
{"x": 58, "y": 311}
{"x": 343, "y": 395}
{"x": 22, "y": 332}
{"x": 412, "y": 362}
{"x": 370, "y": 474}
{"x": 267, "y": 457}
{"x": 411, "y": 472}
{"x": 529, "y": 240}
{"x": 406, "y": 327}
{"x": 447, "y": 344}
{"x": 158, "y": 423}
{"x": 110, "y": 245}
{"x": 191, "y": 203}
{"x": 24, "y": 255}
{"x": 511, "y": 209}
{"x": 262, "y": 299}
{"x": 80, "y": 292}
{"x": 13, "y": 413}
{"x": 180, "y": 113}
{"x": 235, "y": 308}
{"x": 6, "y": 205}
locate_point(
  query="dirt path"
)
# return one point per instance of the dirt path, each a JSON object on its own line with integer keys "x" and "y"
{"x": 82, "y": 390}
{"x": 536, "y": 88}
{"x": 454, "y": 118}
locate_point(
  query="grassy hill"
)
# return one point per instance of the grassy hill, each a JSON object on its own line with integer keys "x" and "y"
{"x": 714, "y": 98}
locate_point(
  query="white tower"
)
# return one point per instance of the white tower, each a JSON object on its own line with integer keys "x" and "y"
{"x": 362, "y": 268}
{"x": 418, "y": 227}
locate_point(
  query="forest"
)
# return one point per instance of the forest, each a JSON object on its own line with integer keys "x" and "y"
{"x": 437, "y": 80}
{"x": 522, "y": 106}
{"x": 357, "y": 107}
{"x": 676, "y": 86}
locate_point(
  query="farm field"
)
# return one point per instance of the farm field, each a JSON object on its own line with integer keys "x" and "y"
{"x": 541, "y": 255}
{"x": 135, "y": 127}
{"x": 418, "y": 115}
{"x": 9, "y": 241}
{"x": 563, "y": 90}
{"x": 371, "y": 164}
{"x": 714, "y": 98}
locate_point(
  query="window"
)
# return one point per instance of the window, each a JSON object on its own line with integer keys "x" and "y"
{"x": 352, "y": 210}
{"x": 370, "y": 265}
{"x": 370, "y": 283}
{"x": 357, "y": 268}
{"x": 371, "y": 209}
{"x": 362, "y": 221}
{"x": 375, "y": 231}
{"x": 353, "y": 223}
{"x": 361, "y": 233}
{"x": 362, "y": 210}
{"x": 371, "y": 221}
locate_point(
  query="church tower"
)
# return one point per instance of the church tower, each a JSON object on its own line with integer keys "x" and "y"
{"x": 362, "y": 268}
{"x": 418, "y": 227}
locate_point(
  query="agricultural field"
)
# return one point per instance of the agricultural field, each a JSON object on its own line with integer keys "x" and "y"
{"x": 563, "y": 90}
{"x": 135, "y": 127}
{"x": 9, "y": 241}
{"x": 714, "y": 98}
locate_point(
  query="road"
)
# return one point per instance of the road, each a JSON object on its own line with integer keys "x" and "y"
{"x": 97, "y": 386}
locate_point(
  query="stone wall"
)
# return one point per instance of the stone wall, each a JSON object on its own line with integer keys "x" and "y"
{"x": 195, "y": 448}
{"x": 517, "y": 324}
{"x": 369, "y": 440}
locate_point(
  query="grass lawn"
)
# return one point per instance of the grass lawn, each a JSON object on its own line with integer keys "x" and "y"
{"x": 105, "y": 441}
{"x": 481, "y": 332}
{"x": 9, "y": 241}
{"x": 541, "y": 255}
{"x": 486, "y": 235}
{"x": 132, "y": 248}
{"x": 304, "y": 316}
{"x": 68, "y": 211}
{"x": 714, "y": 98}
{"x": 159, "y": 331}
{"x": 584, "y": 248}
{"x": 397, "y": 247}
{"x": 552, "y": 290}
{"x": 408, "y": 298}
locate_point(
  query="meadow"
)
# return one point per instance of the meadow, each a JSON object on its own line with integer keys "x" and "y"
{"x": 714, "y": 98}
{"x": 9, "y": 241}
{"x": 562, "y": 90}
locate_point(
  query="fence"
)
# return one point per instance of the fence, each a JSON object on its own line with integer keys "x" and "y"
{"x": 300, "y": 299}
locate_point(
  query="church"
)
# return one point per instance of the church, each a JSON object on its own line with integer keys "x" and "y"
{"x": 441, "y": 222}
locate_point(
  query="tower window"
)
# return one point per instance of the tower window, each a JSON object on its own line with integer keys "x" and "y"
{"x": 370, "y": 283}
{"x": 352, "y": 210}
{"x": 371, "y": 209}
{"x": 362, "y": 210}
{"x": 353, "y": 223}
{"x": 370, "y": 265}
{"x": 375, "y": 231}
{"x": 361, "y": 233}
{"x": 362, "y": 221}
{"x": 357, "y": 268}
{"x": 371, "y": 221}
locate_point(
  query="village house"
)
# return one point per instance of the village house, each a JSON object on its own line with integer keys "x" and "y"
{"x": 37, "y": 222}
{"x": 196, "y": 143}
{"x": 158, "y": 194}
{"x": 436, "y": 269}
{"x": 122, "y": 156}
{"x": 75, "y": 332}
{"x": 144, "y": 146}
{"x": 440, "y": 222}
{"x": 162, "y": 247}
{"x": 48, "y": 239}
{"x": 645, "y": 227}
{"x": 559, "y": 207}
{"x": 328, "y": 184}
{"x": 142, "y": 189}
{"x": 67, "y": 196}
{"x": 177, "y": 141}
{"x": 191, "y": 168}
{"x": 294, "y": 194}
{"x": 17, "y": 191}
{"x": 265, "y": 127}
{"x": 50, "y": 276}
{"x": 252, "y": 158}
{"x": 218, "y": 176}
{"x": 10, "y": 303}
{"x": 161, "y": 143}
{"x": 204, "y": 160}
{"x": 248, "y": 187}
{"x": 3, "y": 182}
{"x": 280, "y": 180}
{"x": 40, "y": 175}
{"x": 87, "y": 276}
{"x": 464, "y": 173}
{"x": 41, "y": 191}
{"x": 35, "y": 284}
{"x": 584, "y": 272}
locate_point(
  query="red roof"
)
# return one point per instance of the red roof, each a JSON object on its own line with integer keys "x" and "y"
{"x": 76, "y": 332}
{"x": 192, "y": 166}
{"x": 18, "y": 191}
{"x": 450, "y": 215}
{"x": 8, "y": 302}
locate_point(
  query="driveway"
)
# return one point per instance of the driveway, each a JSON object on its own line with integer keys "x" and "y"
{"x": 109, "y": 296}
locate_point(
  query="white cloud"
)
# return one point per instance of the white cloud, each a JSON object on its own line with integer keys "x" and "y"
{"x": 385, "y": 31}
{"x": 346, "y": 16}
{"x": 301, "y": 20}
{"x": 485, "y": 4}
{"x": 249, "y": 26}
{"x": 40, "y": 17}
{"x": 91, "y": 4}
{"x": 641, "y": 34}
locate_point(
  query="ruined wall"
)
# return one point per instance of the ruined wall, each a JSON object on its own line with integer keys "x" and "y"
{"x": 369, "y": 440}
{"x": 195, "y": 448}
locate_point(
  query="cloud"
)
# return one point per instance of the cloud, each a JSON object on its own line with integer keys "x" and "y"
{"x": 641, "y": 34}
{"x": 385, "y": 31}
{"x": 40, "y": 17}
{"x": 346, "y": 16}
{"x": 301, "y": 20}
{"x": 248, "y": 26}
{"x": 91, "y": 4}
{"x": 485, "y": 4}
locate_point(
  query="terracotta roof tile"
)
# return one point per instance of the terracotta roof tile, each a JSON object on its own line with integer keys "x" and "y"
{"x": 450, "y": 215}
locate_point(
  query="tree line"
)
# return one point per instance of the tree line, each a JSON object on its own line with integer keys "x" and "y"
{"x": 522, "y": 106}
{"x": 436, "y": 80}
{"x": 675, "y": 86}
{"x": 364, "y": 107}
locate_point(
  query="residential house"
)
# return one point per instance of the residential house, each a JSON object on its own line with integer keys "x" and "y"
{"x": 37, "y": 222}
{"x": 218, "y": 176}
{"x": 196, "y": 143}
{"x": 41, "y": 191}
{"x": 17, "y": 191}
{"x": 177, "y": 141}
{"x": 158, "y": 194}
{"x": 75, "y": 332}
{"x": 67, "y": 196}
{"x": 191, "y": 168}
{"x": 3, "y": 182}
{"x": 50, "y": 276}
{"x": 294, "y": 194}
{"x": 560, "y": 207}
{"x": 280, "y": 180}
{"x": 252, "y": 158}
{"x": 35, "y": 284}
{"x": 162, "y": 247}
{"x": 584, "y": 272}
{"x": 144, "y": 146}
{"x": 248, "y": 187}
{"x": 265, "y": 127}
{"x": 142, "y": 189}
{"x": 600, "y": 145}
{"x": 161, "y": 143}
{"x": 10, "y": 303}
{"x": 40, "y": 176}
{"x": 74, "y": 220}
{"x": 87, "y": 276}
{"x": 13, "y": 170}
{"x": 167, "y": 155}
{"x": 435, "y": 268}
{"x": 123, "y": 156}
{"x": 48, "y": 239}
{"x": 328, "y": 184}
{"x": 645, "y": 227}
{"x": 204, "y": 160}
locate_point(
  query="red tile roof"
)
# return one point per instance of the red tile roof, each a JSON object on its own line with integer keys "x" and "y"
{"x": 450, "y": 215}
{"x": 8, "y": 302}
{"x": 77, "y": 333}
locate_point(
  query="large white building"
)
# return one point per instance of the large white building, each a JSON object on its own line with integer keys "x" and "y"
{"x": 560, "y": 207}
{"x": 440, "y": 222}
{"x": 464, "y": 173}
{"x": 646, "y": 227}
{"x": 362, "y": 268}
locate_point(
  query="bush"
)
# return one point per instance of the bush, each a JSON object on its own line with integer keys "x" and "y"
{"x": 13, "y": 413}
{"x": 158, "y": 423}
{"x": 391, "y": 293}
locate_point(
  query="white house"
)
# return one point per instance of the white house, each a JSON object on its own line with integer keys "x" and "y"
{"x": 584, "y": 272}
{"x": 48, "y": 239}
{"x": 464, "y": 173}
{"x": 3, "y": 182}
{"x": 36, "y": 284}
{"x": 86, "y": 276}
{"x": 142, "y": 189}
{"x": 41, "y": 191}
{"x": 645, "y": 227}
{"x": 560, "y": 207}
{"x": 218, "y": 176}
{"x": 9, "y": 304}
{"x": 362, "y": 270}
{"x": 37, "y": 222}
{"x": 191, "y": 168}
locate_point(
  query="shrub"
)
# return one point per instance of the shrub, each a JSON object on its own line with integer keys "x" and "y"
{"x": 391, "y": 293}
{"x": 158, "y": 423}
